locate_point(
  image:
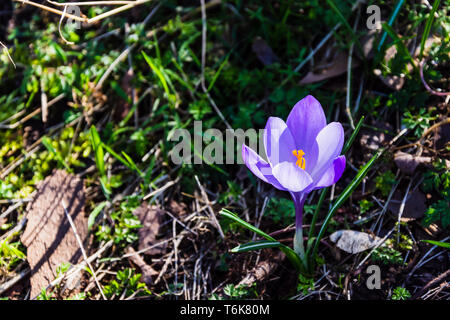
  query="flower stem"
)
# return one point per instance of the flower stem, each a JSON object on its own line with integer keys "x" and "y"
{"x": 299, "y": 200}
{"x": 298, "y": 243}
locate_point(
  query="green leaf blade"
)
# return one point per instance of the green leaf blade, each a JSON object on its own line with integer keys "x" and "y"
{"x": 438, "y": 243}
{"x": 428, "y": 26}
{"x": 256, "y": 245}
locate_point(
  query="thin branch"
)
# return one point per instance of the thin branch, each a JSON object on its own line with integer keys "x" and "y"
{"x": 5, "y": 49}
{"x": 74, "y": 229}
{"x": 90, "y": 3}
{"x": 349, "y": 76}
{"x": 117, "y": 10}
{"x": 59, "y": 27}
{"x": 50, "y": 9}
{"x": 8, "y": 284}
{"x": 129, "y": 5}
{"x": 211, "y": 211}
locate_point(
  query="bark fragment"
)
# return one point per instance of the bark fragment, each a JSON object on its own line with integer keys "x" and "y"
{"x": 48, "y": 237}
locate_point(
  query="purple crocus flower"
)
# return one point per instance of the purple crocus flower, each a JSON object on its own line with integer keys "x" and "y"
{"x": 303, "y": 155}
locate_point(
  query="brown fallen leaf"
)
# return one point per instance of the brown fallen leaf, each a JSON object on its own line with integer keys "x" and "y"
{"x": 261, "y": 271}
{"x": 151, "y": 217}
{"x": 329, "y": 68}
{"x": 354, "y": 241}
{"x": 48, "y": 236}
{"x": 415, "y": 205}
{"x": 264, "y": 52}
{"x": 408, "y": 163}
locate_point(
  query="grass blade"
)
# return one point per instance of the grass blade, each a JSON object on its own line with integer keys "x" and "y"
{"x": 438, "y": 243}
{"x": 339, "y": 14}
{"x": 290, "y": 254}
{"x": 401, "y": 45}
{"x": 230, "y": 215}
{"x": 344, "y": 195}
{"x": 98, "y": 150}
{"x": 349, "y": 142}
{"x": 256, "y": 245}
{"x": 345, "y": 23}
{"x": 323, "y": 193}
{"x": 217, "y": 74}
{"x": 133, "y": 165}
{"x": 160, "y": 75}
{"x": 95, "y": 213}
{"x": 48, "y": 144}
{"x": 428, "y": 26}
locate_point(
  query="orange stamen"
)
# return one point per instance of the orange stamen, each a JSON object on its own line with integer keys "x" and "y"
{"x": 301, "y": 162}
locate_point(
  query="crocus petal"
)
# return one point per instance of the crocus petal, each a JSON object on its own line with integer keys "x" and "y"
{"x": 278, "y": 142}
{"x": 330, "y": 141}
{"x": 259, "y": 167}
{"x": 305, "y": 122}
{"x": 332, "y": 174}
{"x": 291, "y": 177}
